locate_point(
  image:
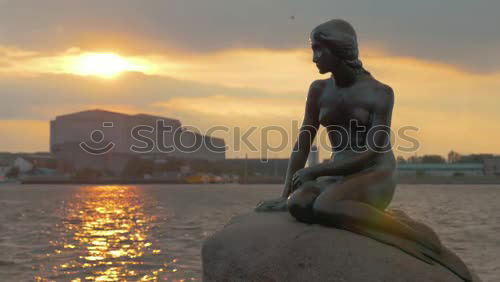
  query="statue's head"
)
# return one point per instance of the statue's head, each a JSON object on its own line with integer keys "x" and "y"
{"x": 335, "y": 45}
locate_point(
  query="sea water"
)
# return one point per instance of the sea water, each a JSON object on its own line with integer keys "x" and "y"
{"x": 149, "y": 232}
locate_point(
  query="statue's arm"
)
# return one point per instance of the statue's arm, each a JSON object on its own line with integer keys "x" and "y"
{"x": 377, "y": 141}
{"x": 306, "y": 136}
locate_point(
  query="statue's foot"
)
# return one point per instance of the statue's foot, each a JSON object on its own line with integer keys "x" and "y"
{"x": 273, "y": 205}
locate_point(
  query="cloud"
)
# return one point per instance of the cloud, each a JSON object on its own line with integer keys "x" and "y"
{"x": 454, "y": 109}
{"x": 457, "y": 32}
{"x": 43, "y": 96}
{"x": 229, "y": 107}
{"x": 260, "y": 68}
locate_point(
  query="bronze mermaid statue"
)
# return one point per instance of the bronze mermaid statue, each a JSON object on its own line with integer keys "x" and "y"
{"x": 353, "y": 189}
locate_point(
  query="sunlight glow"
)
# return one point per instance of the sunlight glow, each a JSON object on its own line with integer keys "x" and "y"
{"x": 107, "y": 65}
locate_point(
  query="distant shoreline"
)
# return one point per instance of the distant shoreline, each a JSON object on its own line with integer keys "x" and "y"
{"x": 428, "y": 179}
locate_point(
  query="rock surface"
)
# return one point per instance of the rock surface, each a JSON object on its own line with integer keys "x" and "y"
{"x": 275, "y": 247}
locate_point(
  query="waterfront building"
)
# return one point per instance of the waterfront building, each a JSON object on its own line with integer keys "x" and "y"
{"x": 492, "y": 166}
{"x": 441, "y": 169}
{"x": 453, "y": 157}
{"x": 23, "y": 165}
{"x": 3, "y": 172}
{"x": 106, "y": 141}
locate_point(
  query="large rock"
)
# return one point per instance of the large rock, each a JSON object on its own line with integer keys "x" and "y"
{"x": 275, "y": 247}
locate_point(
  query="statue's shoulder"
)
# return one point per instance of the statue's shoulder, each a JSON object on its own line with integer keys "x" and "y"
{"x": 376, "y": 93}
{"x": 317, "y": 87}
{"x": 319, "y": 84}
{"x": 382, "y": 91}
{"x": 381, "y": 88}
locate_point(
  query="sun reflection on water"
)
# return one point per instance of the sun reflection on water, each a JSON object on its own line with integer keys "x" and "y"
{"x": 109, "y": 239}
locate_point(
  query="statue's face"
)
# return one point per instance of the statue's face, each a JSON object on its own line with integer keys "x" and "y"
{"x": 323, "y": 57}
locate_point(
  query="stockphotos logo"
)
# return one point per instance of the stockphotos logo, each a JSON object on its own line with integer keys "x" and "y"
{"x": 148, "y": 138}
{"x": 99, "y": 146}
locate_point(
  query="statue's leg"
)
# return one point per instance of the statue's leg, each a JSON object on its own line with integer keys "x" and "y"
{"x": 360, "y": 200}
{"x": 300, "y": 202}
{"x": 357, "y": 204}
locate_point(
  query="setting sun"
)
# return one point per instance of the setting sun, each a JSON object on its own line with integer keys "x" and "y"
{"x": 106, "y": 65}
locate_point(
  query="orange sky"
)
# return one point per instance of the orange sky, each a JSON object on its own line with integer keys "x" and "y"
{"x": 453, "y": 108}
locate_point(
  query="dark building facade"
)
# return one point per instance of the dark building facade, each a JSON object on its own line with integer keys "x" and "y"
{"x": 105, "y": 140}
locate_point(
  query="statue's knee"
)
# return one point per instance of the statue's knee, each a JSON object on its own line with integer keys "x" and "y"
{"x": 301, "y": 210}
{"x": 328, "y": 211}
{"x": 300, "y": 204}
{"x": 322, "y": 206}
{"x": 319, "y": 210}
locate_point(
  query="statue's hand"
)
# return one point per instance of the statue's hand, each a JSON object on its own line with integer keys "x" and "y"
{"x": 300, "y": 177}
{"x": 273, "y": 205}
